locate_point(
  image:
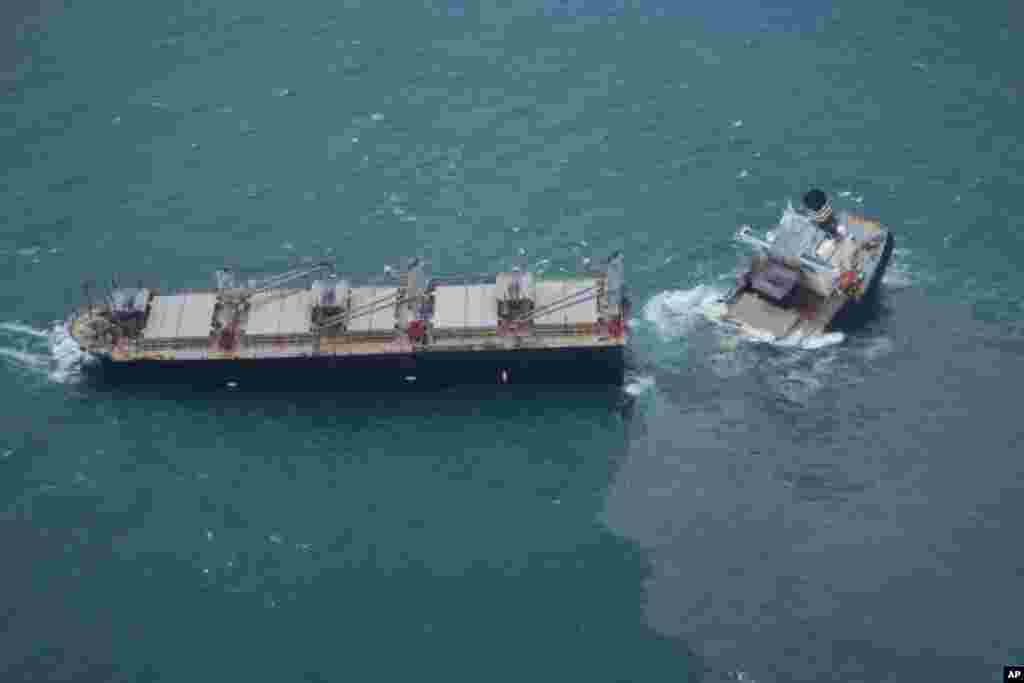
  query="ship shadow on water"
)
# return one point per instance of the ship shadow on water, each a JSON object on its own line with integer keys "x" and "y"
{"x": 484, "y": 400}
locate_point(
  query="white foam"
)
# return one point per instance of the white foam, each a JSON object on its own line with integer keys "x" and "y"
{"x": 20, "y": 328}
{"x": 640, "y": 385}
{"x": 898, "y": 275}
{"x": 729, "y": 364}
{"x": 60, "y": 358}
{"x": 798, "y": 386}
{"x": 25, "y": 358}
{"x": 805, "y": 342}
{"x": 676, "y": 313}
{"x": 811, "y": 343}
{"x": 66, "y": 355}
{"x": 879, "y": 346}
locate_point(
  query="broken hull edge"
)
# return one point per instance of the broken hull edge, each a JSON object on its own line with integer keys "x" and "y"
{"x": 852, "y": 309}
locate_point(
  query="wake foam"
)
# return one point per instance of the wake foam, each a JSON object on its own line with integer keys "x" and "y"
{"x": 67, "y": 357}
{"x": 50, "y": 353}
{"x": 804, "y": 366}
{"x": 25, "y": 359}
{"x": 900, "y": 273}
{"x": 20, "y": 329}
{"x": 676, "y": 313}
{"x": 805, "y": 343}
{"x": 640, "y": 385}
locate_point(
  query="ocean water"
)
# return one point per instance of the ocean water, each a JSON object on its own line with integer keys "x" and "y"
{"x": 844, "y": 510}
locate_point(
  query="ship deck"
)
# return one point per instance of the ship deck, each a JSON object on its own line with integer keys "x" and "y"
{"x": 280, "y": 324}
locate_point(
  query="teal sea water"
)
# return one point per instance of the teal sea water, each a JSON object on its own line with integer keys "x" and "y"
{"x": 848, "y": 512}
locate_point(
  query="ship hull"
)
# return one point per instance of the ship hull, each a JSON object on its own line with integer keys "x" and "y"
{"x": 427, "y": 370}
{"x": 852, "y": 313}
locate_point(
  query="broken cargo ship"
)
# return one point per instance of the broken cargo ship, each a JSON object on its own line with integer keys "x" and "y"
{"x": 807, "y": 274}
{"x": 513, "y": 328}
